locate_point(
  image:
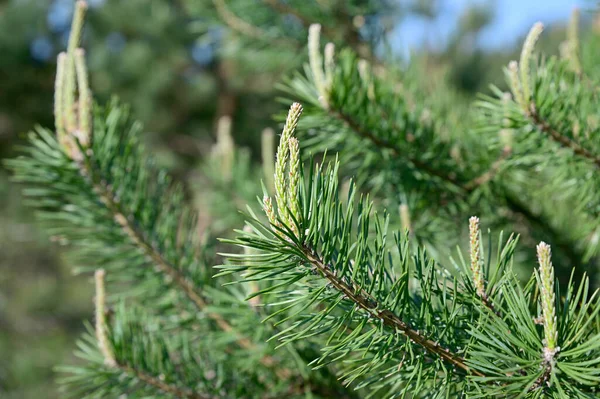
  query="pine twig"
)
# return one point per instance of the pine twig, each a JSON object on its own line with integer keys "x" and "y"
{"x": 100, "y": 322}
{"x": 370, "y": 305}
{"x": 556, "y": 136}
{"x": 109, "y": 357}
{"x": 157, "y": 383}
{"x": 382, "y": 144}
{"x": 515, "y": 206}
{"x": 108, "y": 199}
{"x": 547, "y": 303}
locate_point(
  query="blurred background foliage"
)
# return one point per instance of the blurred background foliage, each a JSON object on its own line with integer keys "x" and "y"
{"x": 183, "y": 65}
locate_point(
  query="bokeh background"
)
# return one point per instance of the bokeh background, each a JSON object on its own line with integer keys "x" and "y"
{"x": 179, "y": 67}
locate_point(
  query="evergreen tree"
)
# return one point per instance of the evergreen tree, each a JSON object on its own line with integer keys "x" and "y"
{"x": 323, "y": 293}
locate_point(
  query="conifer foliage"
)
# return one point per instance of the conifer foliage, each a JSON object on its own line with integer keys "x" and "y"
{"x": 322, "y": 292}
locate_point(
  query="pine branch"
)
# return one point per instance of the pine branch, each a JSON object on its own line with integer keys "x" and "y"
{"x": 370, "y": 305}
{"x": 385, "y": 317}
{"x": 97, "y": 179}
{"x": 461, "y": 184}
{"x": 105, "y": 348}
{"x": 360, "y": 102}
{"x": 127, "y": 223}
{"x": 345, "y": 277}
{"x": 149, "y": 362}
{"x": 355, "y": 279}
{"x": 465, "y": 187}
{"x": 101, "y": 186}
{"x": 99, "y": 169}
{"x": 102, "y": 195}
{"x": 130, "y": 354}
{"x": 383, "y": 144}
{"x": 367, "y": 108}
{"x": 502, "y": 363}
{"x": 160, "y": 385}
{"x": 564, "y": 141}
{"x": 554, "y": 113}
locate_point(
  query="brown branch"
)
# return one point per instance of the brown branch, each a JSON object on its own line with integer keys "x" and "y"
{"x": 353, "y": 125}
{"x": 564, "y": 141}
{"x": 107, "y": 197}
{"x": 465, "y": 187}
{"x": 160, "y": 385}
{"x": 366, "y": 302}
{"x": 514, "y": 206}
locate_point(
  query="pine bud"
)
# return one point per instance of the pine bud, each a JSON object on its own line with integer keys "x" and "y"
{"x": 506, "y": 133}
{"x": 252, "y": 286}
{"x": 525, "y": 62}
{"x": 282, "y": 158}
{"x": 345, "y": 190}
{"x": 405, "y": 217}
{"x": 268, "y": 157}
{"x": 294, "y": 202}
{"x": 84, "y": 111}
{"x": 364, "y": 71}
{"x": 316, "y": 62}
{"x": 573, "y": 42}
{"x": 268, "y": 208}
{"x": 547, "y": 300}
{"x": 101, "y": 328}
{"x": 225, "y": 147}
{"x": 476, "y": 257}
{"x": 73, "y": 121}
{"x": 329, "y": 65}
{"x": 292, "y": 120}
{"x": 515, "y": 83}
{"x": 70, "y": 79}
{"x": 59, "y": 113}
